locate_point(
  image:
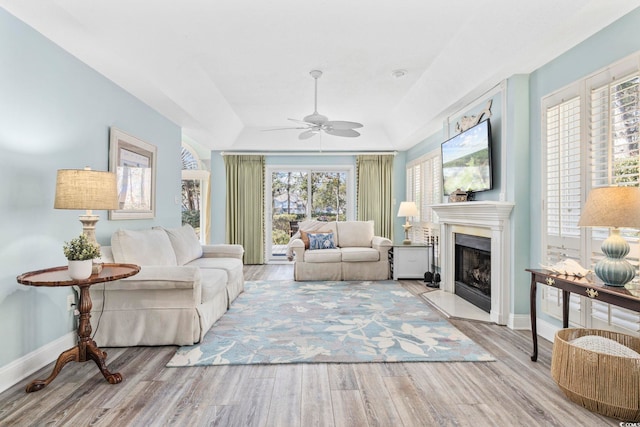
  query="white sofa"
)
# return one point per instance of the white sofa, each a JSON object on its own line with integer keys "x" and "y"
{"x": 358, "y": 254}
{"x": 182, "y": 288}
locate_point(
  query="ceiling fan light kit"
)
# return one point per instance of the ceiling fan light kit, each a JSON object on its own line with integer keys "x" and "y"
{"x": 315, "y": 123}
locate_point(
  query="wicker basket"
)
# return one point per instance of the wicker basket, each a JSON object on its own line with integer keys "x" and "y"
{"x": 602, "y": 383}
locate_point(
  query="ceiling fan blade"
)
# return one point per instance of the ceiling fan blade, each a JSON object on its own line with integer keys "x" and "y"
{"x": 268, "y": 130}
{"x": 350, "y": 133}
{"x": 340, "y": 125}
{"x": 301, "y": 122}
{"x": 307, "y": 134}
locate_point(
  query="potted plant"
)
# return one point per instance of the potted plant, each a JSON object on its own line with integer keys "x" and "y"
{"x": 80, "y": 252}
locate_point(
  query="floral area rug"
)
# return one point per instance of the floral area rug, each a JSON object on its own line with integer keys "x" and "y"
{"x": 276, "y": 322}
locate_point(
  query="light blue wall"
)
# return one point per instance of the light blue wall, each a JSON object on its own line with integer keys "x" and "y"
{"x": 399, "y": 194}
{"x": 613, "y": 43}
{"x": 218, "y": 198}
{"x": 517, "y": 183}
{"x": 55, "y": 113}
{"x": 433, "y": 142}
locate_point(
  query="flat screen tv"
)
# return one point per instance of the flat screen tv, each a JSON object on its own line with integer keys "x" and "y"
{"x": 466, "y": 160}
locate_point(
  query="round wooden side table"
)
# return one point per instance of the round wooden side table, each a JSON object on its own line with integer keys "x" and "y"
{"x": 86, "y": 349}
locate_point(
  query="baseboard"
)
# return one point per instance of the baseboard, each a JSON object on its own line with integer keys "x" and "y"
{"x": 21, "y": 368}
{"x": 519, "y": 321}
{"x": 547, "y": 330}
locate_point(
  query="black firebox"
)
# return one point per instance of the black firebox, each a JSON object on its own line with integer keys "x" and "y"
{"x": 473, "y": 269}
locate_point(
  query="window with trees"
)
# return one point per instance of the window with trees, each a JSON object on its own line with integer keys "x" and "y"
{"x": 298, "y": 195}
{"x": 195, "y": 193}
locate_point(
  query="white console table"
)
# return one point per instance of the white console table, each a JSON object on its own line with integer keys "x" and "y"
{"x": 409, "y": 261}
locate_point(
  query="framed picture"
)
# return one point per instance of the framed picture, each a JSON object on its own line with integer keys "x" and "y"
{"x": 134, "y": 162}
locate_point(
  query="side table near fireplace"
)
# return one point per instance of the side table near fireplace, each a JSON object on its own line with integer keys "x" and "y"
{"x": 408, "y": 261}
{"x": 86, "y": 349}
{"x": 620, "y": 297}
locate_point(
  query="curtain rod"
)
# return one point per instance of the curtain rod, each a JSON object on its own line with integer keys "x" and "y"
{"x": 307, "y": 153}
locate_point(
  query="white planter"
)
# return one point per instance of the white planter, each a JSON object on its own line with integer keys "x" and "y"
{"x": 80, "y": 270}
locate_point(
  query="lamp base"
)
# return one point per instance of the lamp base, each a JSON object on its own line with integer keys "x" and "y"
{"x": 614, "y": 270}
{"x": 406, "y": 227}
{"x": 89, "y": 222}
{"x": 89, "y": 226}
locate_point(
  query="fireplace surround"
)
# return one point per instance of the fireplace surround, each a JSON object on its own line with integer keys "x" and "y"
{"x": 486, "y": 219}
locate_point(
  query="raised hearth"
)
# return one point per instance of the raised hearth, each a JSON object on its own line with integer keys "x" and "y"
{"x": 484, "y": 219}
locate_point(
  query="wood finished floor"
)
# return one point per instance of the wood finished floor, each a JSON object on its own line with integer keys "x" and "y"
{"x": 510, "y": 392}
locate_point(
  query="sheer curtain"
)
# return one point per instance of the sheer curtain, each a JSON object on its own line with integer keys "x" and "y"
{"x": 374, "y": 187}
{"x": 245, "y": 205}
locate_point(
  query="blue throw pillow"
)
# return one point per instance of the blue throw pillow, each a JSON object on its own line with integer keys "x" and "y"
{"x": 321, "y": 241}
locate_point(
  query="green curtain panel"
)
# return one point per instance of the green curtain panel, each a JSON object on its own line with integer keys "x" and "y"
{"x": 245, "y": 205}
{"x": 375, "y": 175}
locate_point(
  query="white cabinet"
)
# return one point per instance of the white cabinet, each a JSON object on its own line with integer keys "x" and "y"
{"x": 409, "y": 261}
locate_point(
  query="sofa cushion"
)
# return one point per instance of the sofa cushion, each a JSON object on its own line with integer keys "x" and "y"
{"x": 360, "y": 254}
{"x": 320, "y": 227}
{"x": 233, "y": 267}
{"x": 304, "y": 236}
{"x": 227, "y": 264}
{"x": 321, "y": 241}
{"x": 214, "y": 281}
{"x": 145, "y": 247}
{"x": 327, "y": 255}
{"x": 185, "y": 243}
{"x": 355, "y": 233}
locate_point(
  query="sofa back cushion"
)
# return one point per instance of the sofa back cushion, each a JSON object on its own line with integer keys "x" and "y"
{"x": 144, "y": 247}
{"x": 185, "y": 243}
{"x": 320, "y": 227}
{"x": 304, "y": 236}
{"x": 355, "y": 234}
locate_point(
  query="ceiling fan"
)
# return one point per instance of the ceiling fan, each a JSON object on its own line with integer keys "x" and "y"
{"x": 316, "y": 122}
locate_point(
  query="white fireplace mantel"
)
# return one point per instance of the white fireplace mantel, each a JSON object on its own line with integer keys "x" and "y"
{"x": 484, "y": 213}
{"x": 482, "y": 218}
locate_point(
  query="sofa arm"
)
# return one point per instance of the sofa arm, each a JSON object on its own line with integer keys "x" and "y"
{"x": 381, "y": 243}
{"x": 222, "y": 251}
{"x": 297, "y": 248}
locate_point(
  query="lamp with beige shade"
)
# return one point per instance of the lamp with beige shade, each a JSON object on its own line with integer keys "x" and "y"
{"x": 406, "y": 210}
{"x": 613, "y": 207}
{"x": 86, "y": 189}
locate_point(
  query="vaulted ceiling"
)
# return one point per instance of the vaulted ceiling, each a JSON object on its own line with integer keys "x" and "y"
{"x": 227, "y": 70}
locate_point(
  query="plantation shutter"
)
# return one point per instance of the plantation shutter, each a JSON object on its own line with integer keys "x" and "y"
{"x": 563, "y": 196}
{"x": 416, "y": 194}
{"x": 424, "y": 187}
{"x": 614, "y": 156}
{"x": 434, "y": 163}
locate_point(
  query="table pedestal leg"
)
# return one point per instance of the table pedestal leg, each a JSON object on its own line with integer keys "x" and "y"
{"x": 71, "y": 355}
{"x": 85, "y": 350}
{"x": 100, "y": 357}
